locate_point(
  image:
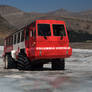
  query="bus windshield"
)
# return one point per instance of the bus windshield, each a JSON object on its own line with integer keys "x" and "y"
{"x": 44, "y": 30}
{"x": 58, "y": 30}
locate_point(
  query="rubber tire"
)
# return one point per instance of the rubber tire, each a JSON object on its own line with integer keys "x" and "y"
{"x": 11, "y": 64}
{"x": 22, "y": 62}
{"x": 58, "y": 64}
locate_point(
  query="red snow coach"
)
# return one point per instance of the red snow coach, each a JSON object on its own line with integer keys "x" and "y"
{"x": 36, "y": 44}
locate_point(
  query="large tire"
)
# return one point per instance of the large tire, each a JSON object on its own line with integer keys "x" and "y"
{"x": 58, "y": 64}
{"x": 23, "y": 62}
{"x": 9, "y": 62}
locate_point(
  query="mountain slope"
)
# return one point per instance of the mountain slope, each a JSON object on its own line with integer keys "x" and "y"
{"x": 79, "y": 24}
{"x": 19, "y": 18}
{"x": 13, "y": 15}
{"x": 5, "y": 29}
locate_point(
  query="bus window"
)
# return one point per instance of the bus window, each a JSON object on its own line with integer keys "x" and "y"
{"x": 15, "y": 39}
{"x": 27, "y": 34}
{"x": 11, "y": 40}
{"x": 6, "y": 42}
{"x": 18, "y": 40}
{"x": 22, "y": 36}
{"x": 31, "y": 33}
{"x": 34, "y": 34}
{"x": 58, "y": 30}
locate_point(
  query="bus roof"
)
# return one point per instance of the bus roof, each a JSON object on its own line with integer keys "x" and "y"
{"x": 37, "y": 21}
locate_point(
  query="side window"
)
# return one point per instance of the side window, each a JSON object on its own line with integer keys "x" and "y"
{"x": 18, "y": 40}
{"x": 12, "y": 40}
{"x": 6, "y": 42}
{"x": 9, "y": 41}
{"x": 22, "y": 36}
{"x": 27, "y": 34}
{"x": 15, "y": 39}
{"x": 34, "y": 34}
{"x": 31, "y": 33}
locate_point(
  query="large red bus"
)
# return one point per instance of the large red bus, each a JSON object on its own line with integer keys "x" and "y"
{"x": 36, "y": 44}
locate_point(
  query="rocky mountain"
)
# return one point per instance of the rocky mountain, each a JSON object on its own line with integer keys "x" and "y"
{"x": 79, "y": 24}
{"x": 13, "y": 15}
{"x": 5, "y": 29}
{"x": 87, "y": 14}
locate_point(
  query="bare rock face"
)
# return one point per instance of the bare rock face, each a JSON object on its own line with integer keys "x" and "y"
{"x": 6, "y": 10}
{"x": 5, "y": 29}
{"x": 13, "y": 15}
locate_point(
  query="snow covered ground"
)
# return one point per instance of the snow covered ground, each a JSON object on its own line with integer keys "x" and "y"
{"x": 76, "y": 78}
{"x": 83, "y": 55}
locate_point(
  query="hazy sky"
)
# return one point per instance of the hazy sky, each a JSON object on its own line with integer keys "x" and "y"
{"x": 49, "y": 5}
